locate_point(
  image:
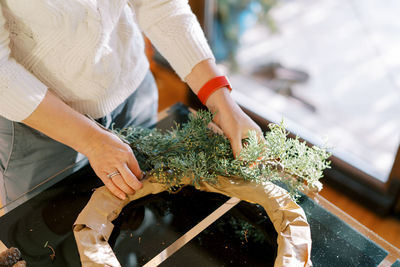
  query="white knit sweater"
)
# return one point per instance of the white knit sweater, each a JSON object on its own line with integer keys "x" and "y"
{"x": 89, "y": 52}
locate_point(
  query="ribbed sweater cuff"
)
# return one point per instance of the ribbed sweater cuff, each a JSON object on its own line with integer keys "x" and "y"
{"x": 20, "y": 91}
{"x": 182, "y": 49}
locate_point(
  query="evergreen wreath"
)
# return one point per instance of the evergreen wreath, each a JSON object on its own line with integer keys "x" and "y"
{"x": 193, "y": 150}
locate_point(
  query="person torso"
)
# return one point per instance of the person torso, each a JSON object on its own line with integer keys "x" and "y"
{"x": 82, "y": 49}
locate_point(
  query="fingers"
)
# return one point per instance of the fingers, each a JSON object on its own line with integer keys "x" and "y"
{"x": 129, "y": 178}
{"x": 123, "y": 183}
{"x": 260, "y": 135}
{"x": 109, "y": 155}
{"x": 133, "y": 165}
{"x": 113, "y": 188}
{"x": 214, "y": 127}
{"x": 236, "y": 144}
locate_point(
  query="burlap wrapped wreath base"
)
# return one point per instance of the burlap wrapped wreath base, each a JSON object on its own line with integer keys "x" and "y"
{"x": 93, "y": 226}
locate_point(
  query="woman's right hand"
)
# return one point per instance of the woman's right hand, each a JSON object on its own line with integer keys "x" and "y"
{"x": 108, "y": 154}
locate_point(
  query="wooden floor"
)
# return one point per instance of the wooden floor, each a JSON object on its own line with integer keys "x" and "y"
{"x": 172, "y": 90}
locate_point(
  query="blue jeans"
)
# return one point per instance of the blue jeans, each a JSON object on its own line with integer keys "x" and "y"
{"x": 28, "y": 158}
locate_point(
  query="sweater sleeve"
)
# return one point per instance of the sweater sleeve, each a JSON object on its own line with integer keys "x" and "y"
{"x": 20, "y": 91}
{"x": 175, "y": 32}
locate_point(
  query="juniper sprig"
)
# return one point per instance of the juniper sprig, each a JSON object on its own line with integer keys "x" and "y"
{"x": 193, "y": 150}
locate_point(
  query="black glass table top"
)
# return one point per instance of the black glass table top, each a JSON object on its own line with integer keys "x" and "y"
{"x": 244, "y": 236}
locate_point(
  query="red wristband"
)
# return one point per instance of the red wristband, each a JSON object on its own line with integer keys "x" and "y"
{"x": 211, "y": 86}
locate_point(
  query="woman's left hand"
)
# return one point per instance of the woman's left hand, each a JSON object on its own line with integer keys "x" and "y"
{"x": 228, "y": 115}
{"x": 231, "y": 119}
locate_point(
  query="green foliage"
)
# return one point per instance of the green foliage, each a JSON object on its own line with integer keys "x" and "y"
{"x": 193, "y": 150}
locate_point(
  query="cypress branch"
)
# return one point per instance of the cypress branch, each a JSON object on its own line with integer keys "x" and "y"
{"x": 193, "y": 150}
